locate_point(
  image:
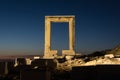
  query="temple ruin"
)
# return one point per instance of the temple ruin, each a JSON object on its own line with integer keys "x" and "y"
{"x": 48, "y": 53}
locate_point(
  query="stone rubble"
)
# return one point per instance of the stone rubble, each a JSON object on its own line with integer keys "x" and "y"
{"x": 106, "y": 57}
{"x": 103, "y": 60}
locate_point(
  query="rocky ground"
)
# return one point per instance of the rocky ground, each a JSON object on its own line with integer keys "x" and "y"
{"x": 110, "y": 57}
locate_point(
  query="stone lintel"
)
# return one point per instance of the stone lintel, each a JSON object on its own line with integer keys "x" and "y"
{"x": 64, "y": 16}
{"x": 59, "y": 18}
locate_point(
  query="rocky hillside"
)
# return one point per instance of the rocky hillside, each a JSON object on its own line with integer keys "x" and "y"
{"x": 115, "y": 50}
{"x": 105, "y": 57}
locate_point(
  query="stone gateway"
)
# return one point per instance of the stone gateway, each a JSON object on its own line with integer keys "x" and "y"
{"x": 48, "y": 53}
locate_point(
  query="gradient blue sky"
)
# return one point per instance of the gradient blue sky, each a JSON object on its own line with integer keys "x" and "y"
{"x": 22, "y": 25}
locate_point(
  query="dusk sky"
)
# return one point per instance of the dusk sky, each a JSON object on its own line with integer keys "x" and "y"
{"x": 97, "y": 25}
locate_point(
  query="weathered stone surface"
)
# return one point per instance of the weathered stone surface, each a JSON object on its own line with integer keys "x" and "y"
{"x": 109, "y": 56}
{"x": 67, "y": 66}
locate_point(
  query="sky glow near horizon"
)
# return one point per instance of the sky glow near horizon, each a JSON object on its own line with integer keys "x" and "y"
{"x": 97, "y": 25}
